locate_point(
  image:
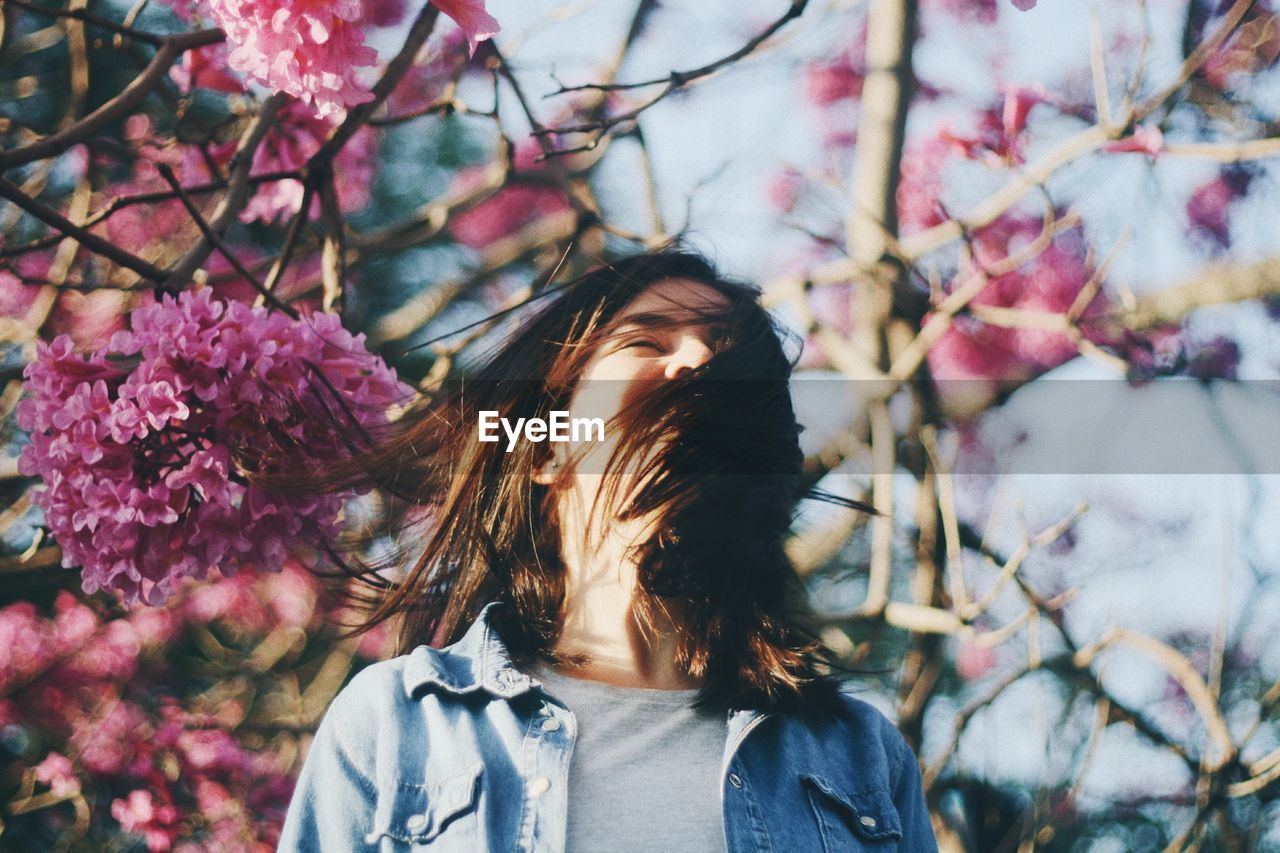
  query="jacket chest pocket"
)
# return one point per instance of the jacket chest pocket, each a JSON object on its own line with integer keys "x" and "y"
{"x": 865, "y": 820}
{"x": 440, "y": 815}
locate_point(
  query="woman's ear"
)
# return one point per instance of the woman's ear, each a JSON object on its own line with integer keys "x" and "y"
{"x": 549, "y": 472}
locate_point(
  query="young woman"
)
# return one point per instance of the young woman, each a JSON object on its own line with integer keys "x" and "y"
{"x": 618, "y": 658}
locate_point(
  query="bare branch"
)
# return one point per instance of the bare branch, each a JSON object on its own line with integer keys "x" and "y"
{"x": 296, "y": 225}
{"x": 1220, "y": 284}
{"x": 89, "y": 240}
{"x": 679, "y": 79}
{"x": 116, "y": 108}
{"x": 675, "y": 81}
{"x": 395, "y": 70}
{"x": 167, "y": 173}
{"x": 332, "y": 264}
{"x": 121, "y": 202}
{"x": 234, "y": 200}
{"x": 90, "y": 18}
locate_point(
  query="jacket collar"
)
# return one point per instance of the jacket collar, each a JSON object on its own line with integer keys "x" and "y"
{"x": 480, "y": 661}
{"x": 477, "y": 661}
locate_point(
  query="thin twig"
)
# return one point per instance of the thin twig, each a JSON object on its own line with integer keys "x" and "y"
{"x": 234, "y": 199}
{"x": 167, "y": 173}
{"x": 121, "y": 202}
{"x": 89, "y": 240}
{"x": 296, "y": 225}
{"x": 332, "y": 263}
{"x": 395, "y": 70}
{"x": 674, "y": 80}
{"x": 116, "y": 108}
{"x": 90, "y": 18}
{"x": 677, "y": 79}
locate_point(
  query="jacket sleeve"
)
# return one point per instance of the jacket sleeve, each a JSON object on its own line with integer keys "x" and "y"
{"x": 908, "y": 799}
{"x": 333, "y": 803}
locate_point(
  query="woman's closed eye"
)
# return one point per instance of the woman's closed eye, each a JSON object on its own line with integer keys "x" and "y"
{"x": 642, "y": 343}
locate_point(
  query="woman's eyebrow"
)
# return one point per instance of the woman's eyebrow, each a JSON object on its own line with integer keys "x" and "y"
{"x": 648, "y": 319}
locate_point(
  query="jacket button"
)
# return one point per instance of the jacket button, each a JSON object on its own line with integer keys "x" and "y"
{"x": 417, "y": 822}
{"x": 551, "y": 724}
{"x": 539, "y": 786}
{"x": 867, "y": 820}
{"x": 735, "y": 780}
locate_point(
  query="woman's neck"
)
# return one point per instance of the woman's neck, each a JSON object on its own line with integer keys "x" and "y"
{"x": 599, "y": 615}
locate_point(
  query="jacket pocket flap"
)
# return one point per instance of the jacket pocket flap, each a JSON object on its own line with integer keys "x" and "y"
{"x": 418, "y": 813}
{"x": 869, "y": 812}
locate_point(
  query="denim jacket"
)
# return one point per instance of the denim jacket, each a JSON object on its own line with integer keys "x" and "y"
{"x": 454, "y": 749}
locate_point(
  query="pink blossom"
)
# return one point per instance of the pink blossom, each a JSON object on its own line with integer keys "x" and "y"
{"x": 155, "y": 627}
{"x": 57, "y": 772}
{"x": 979, "y": 11}
{"x": 141, "y": 743}
{"x": 306, "y": 49}
{"x": 16, "y": 298}
{"x": 89, "y": 318}
{"x": 1024, "y": 5}
{"x": 784, "y": 189}
{"x": 828, "y": 82}
{"x": 74, "y": 623}
{"x": 471, "y": 18}
{"x": 920, "y": 185}
{"x": 512, "y": 207}
{"x": 1209, "y": 207}
{"x": 830, "y": 305}
{"x": 109, "y": 740}
{"x": 295, "y": 136}
{"x": 1252, "y": 47}
{"x": 20, "y": 301}
{"x": 1018, "y": 101}
{"x": 25, "y": 638}
{"x": 974, "y": 660}
{"x": 313, "y": 50}
{"x": 385, "y": 13}
{"x": 113, "y": 653}
{"x": 426, "y": 79}
{"x": 206, "y": 68}
{"x": 1048, "y": 284}
{"x": 1146, "y": 139}
{"x": 140, "y": 814}
{"x": 139, "y": 486}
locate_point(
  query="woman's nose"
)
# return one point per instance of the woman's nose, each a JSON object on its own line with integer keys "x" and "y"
{"x": 691, "y": 353}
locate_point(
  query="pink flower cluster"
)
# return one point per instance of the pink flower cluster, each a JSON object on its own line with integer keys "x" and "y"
{"x": 1174, "y": 351}
{"x": 307, "y": 49}
{"x": 312, "y": 49}
{"x": 143, "y": 446}
{"x": 115, "y": 711}
{"x": 1210, "y": 204}
{"x": 295, "y": 136}
{"x": 1046, "y": 285}
{"x": 509, "y": 209}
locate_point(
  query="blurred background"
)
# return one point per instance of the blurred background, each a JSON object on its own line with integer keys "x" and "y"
{"x": 1031, "y": 250}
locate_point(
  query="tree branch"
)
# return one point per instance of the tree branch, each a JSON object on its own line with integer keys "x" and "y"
{"x": 675, "y": 81}
{"x": 116, "y": 108}
{"x": 89, "y": 240}
{"x": 233, "y": 200}
{"x": 167, "y": 173}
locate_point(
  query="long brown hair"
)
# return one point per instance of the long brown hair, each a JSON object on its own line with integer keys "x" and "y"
{"x": 721, "y": 470}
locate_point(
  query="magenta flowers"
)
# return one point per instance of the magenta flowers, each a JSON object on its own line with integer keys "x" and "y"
{"x": 311, "y": 49}
{"x": 144, "y": 446}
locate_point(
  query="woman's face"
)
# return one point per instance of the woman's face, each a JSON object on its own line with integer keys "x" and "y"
{"x": 661, "y": 334}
